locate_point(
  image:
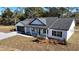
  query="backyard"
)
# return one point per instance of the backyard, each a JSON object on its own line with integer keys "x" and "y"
{"x": 18, "y": 43}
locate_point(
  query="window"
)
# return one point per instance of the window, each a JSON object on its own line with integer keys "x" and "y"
{"x": 57, "y": 33}
{"x": 44, "y": 30}
{"x": 53, "y": 33}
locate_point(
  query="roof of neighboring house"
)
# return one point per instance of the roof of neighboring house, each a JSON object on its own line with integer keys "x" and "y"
{"x": 51, "y": 22}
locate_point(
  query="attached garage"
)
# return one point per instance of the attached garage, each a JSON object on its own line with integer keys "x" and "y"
{"x": 20, "y": 29}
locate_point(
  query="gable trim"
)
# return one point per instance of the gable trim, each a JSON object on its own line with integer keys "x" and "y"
{"x": 20, "y": 23}
{"x": 36, "y": 24}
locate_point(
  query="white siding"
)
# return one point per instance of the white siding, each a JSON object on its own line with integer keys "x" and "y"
{"x": 27, "y": 29}
{"x": 36, "y": 22}
{"x": 64, "y": 34}
{"x": 71, "y": 30}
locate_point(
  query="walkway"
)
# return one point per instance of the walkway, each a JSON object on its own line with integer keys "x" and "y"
{"x": 11, "y": 34}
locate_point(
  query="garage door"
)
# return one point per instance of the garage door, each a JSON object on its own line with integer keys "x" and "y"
{"x": 20, "y": 29}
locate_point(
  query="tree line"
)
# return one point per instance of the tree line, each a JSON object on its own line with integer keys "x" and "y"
{"x": 9, "y": 17}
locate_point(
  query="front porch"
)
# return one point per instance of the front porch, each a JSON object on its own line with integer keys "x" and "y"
{"x": 39, "y": 32}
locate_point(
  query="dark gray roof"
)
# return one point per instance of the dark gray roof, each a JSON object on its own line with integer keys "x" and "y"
{"x": 62, "y": 24}
{"x": 51, "y": 22}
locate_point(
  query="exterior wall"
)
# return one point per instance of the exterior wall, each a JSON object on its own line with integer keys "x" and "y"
{"x": 27, "y": 29}
{"x": 64, "y": 34}
{"x": 71, "y": 30}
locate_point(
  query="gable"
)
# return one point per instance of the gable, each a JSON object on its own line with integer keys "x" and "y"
{"x": 37, "y": 22}
{"x": 19, "y": 24}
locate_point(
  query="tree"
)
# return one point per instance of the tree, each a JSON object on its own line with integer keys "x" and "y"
{"x": 18, "y": 14}
{"x": 52, "y": 12}
{"x": 63, "y": 11}
{"x": 7, "y": 13}
{"x": 31, "y": 12}
{"x": 6, "y": 16}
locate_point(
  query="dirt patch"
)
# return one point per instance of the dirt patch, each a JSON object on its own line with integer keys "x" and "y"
{"x": 27, "y": 44}
{"x": 5, "y": 48}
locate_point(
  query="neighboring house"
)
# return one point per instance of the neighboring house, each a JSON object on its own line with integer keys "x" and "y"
{"x": 49, "y": 27}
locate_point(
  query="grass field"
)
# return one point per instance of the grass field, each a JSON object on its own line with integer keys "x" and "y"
{"x": 6, "y": 28}
{"x": 26, "y": 44}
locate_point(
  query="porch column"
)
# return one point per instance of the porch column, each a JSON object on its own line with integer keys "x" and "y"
{"x": 46, "y": 34}
{"x": 38, "y": 32}
{"x": 30, "y": 31}
{"x": 25, "y": 29}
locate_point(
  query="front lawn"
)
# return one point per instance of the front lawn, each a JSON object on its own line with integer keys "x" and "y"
{"x": 26, "y": 43}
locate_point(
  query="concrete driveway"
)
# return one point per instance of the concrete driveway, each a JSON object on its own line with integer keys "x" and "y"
{"x": 10, "y": 34}
{"x": 7, "y": 35}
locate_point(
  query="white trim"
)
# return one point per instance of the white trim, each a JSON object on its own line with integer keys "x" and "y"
{"x": 46, "y": 34}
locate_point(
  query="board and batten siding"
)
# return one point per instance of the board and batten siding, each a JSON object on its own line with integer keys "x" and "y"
{"x": 64, "y": 34}
{"x": 71, "y": 30}
{"x": 36, "y": 22}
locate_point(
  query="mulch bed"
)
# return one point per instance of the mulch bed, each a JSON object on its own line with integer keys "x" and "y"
{"x": 48, "y": 41}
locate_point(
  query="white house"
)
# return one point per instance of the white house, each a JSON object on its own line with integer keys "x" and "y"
{"x": 49, "y": 27}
